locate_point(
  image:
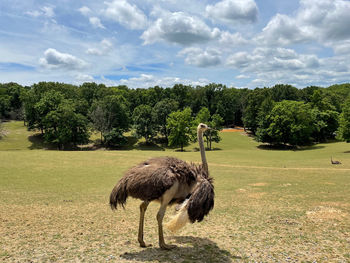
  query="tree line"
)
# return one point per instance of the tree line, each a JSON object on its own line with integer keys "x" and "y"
{"x": 66, "y": 114}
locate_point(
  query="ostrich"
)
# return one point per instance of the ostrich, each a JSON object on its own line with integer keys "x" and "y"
{"x": 334, "y": 162}
{"x": 168, "y": 180}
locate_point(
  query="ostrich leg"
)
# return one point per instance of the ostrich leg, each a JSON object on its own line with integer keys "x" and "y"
{"x": 143, "y": 208}
{"x": 164, "y": 201}
{"x": 160, "y": 216}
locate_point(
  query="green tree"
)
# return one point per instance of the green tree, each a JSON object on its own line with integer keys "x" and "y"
{"x": 342, "y": 91}
{"x": 216, "y": 126}
{"x": 326, "y": 124}
{"x": 203, "y": 116}
{"x": 31, "y": 116}
{"x": 344, "y": 122}
{"x": 180, "y": 125}
{"x": 306, "y": 94}
{"x": 13, "y": 92}
{"x": 110, "y": 117}
{"x": 44, "y": 96}
{"x": 60, "y": 119}
{"x": 282, "y": 92}
{"x": 229, "y": 106}
{"x": 160, "y": 114}
{"x": 1, "y": 130}
{"x": 325, "y": 115}
{"x": 263, "y": 121}
{"x": 4, "y": 106}
{"x": 115, "y": 137}
{"x": 182, "y": 94}
{"x": 144, "y": 126}
{"x": 98, "y": 119}
{"x": 89, "y": 91}
{"x": 214, "y": 122}
{"x": 213, "y": 93}
{"x": 252, "y": 107}
{"x": 64, "y": 126}
{"x": 49, "y": 101}
{"x": 290, "y": 122}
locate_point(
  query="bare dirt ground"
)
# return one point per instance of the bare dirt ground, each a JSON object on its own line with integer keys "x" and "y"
{"x": 245, "y": 227}
{"x": 236, "y": 129}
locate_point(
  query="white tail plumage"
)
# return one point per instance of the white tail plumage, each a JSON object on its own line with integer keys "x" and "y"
{"x": 180, "y": 219}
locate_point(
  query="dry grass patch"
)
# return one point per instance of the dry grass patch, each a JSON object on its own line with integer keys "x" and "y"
{"x": 258, "y": 184}
{"x": 326, "y": 213}
{"x": 257, "y": 195}
{"x": 93, "y": 233}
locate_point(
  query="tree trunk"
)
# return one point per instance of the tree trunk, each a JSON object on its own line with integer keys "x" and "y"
{"x": 166, "y": 136}
{"x": 210, "y": 139}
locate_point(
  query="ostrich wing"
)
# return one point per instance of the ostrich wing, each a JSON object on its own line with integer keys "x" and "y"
{"x": 149, "y": 180}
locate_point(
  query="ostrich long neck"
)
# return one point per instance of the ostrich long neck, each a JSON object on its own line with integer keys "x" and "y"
{"x": 201, "y": 147}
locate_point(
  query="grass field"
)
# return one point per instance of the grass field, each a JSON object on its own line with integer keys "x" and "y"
{"x": 270, "y": 205}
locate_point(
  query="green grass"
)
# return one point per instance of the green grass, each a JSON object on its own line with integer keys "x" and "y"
{"x": 270, "y": 205}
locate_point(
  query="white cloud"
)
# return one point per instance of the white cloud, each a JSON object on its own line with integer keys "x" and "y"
{"x": 104, "y": 47}
{"x": 269, "y": 66}
{"x": 84, "y": 10}
{"x": 96, "y": 22}
{"x": 147, "y": 80}
{"x": 230, "y": 40}
{"x": 56, "y": 60}
{"x": 46, "y": 11}
{"x": 330, "y": 19}
{"x": 201, "y": 58}
{"x": 323, "y": 21}
{"x": 130, "y": 16}
{"x": 80, "y": 78}
{"x": 341, "y": 48}
{"x": 242, "y": 76}
{"x": 233, "y": 11}
{"x": 179, "y": 28}
{"x": 272, "y": 60}
{"x": 282, "y": 30}
{"x": 34, "y": 13}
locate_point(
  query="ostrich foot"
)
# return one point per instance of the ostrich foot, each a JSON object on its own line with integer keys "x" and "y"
{"x": 143, "y": 244}
{"x": 166, "y": 247}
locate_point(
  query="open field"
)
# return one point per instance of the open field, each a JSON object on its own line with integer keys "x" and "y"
{"x": 270, "y": 206}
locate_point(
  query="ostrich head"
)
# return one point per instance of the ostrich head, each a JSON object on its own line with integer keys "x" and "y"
{"x": 202, "y": 127}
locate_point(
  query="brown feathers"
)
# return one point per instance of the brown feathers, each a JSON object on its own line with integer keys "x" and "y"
{"x": 150, "y": 179}
{"x": 201, "y": 200}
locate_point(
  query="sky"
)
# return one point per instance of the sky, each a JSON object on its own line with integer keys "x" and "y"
{"x": 143, "y": 43}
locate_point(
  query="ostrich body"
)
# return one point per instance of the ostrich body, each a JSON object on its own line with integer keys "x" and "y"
{"x": 168, "y": 180}
{"x": 334, "y": 162}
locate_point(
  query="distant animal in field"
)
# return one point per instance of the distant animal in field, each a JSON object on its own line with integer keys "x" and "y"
{"x": 168, "y": 180}
{"x": 334, "y": 162}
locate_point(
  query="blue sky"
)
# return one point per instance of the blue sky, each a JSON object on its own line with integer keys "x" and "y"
{"x": 143, "y": 43}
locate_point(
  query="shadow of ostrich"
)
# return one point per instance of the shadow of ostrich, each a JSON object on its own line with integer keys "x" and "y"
{"x": 190, "y": 249}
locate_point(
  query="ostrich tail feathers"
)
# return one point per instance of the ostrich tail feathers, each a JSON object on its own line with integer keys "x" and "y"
{"x": 180, "y": 219}
{"x": 118, "y": 195}
{"x": 201, "y": 200}
{"x": 196, "y": 207}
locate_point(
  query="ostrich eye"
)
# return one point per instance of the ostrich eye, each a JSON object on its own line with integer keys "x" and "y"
{"x": 202, "y": 126}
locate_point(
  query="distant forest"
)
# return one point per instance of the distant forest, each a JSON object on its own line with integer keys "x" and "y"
{"x": 66, "y": 114}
